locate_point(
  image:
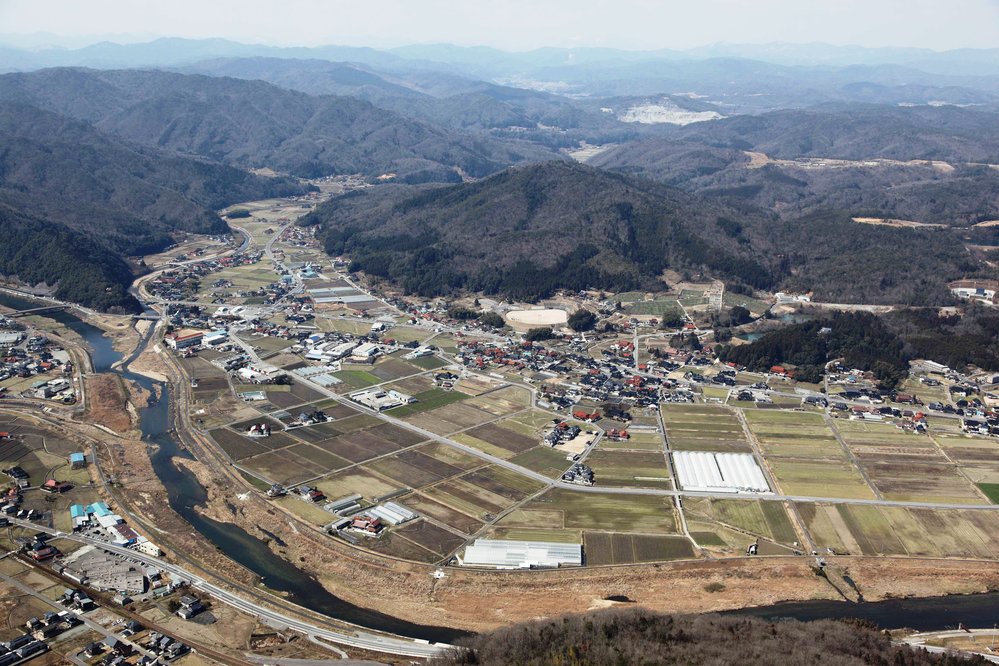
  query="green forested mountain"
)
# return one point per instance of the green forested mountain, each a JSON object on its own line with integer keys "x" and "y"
{"x": 256, "y": 124}
{"x": 528, "y": 231}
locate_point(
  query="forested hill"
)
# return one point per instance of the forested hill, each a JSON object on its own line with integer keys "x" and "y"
{"x": 76, "y": 200}
{"x": 256, "y": 124}
{"x": 867, "y": 161}
{"x": 36, "y": 251}
{"x": 641, "y": 637}
{"x": 530, "y": 230}
{"x": 859, "y": 132}
{"x": 129, "y": 197}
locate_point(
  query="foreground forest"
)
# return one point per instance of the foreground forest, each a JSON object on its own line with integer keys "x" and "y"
{"x": 642, "y": 637}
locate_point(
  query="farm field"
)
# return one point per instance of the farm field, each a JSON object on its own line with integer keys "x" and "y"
{"x": 616, "y": 548}
{"x": 637, "y": 469}
{"x": 910, "y": 480}
{"x": 761, "y": 518}
{"x": 906, "y": 466}
{"x": 819, "y": 478}
{"x": 291, "y": 457}
{"x": 596, "y": 511}
{"x": 703, "y": 428}
{"x": 968, "y": 450}
{"x": 792, "y": 434}
{"x": 662, "y": 309}
{"x": 417, "y": 540}
{"x": 504, "y": 401}
{"x": 433, "y": 399}
{"x": 529, "y": 423}
{"x": 544, "y": 460}
{"x": 463, "y": 494}
{"x": 637, "y": 441}
{"x": 991, "y": 490}
{"x": 873, "y": 530}
{"x": 355, "y": 379}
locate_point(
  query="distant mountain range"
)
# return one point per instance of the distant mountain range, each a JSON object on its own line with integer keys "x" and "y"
{"x": 75, "y": 201}
{"x": 870, "y": 161}
{"x": 745, "y": 77}
{"x": 745, "y": 163}
{"x": 255, "y": 124}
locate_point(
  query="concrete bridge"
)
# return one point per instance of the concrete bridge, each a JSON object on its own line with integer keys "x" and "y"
{"x": 38, "y": 310}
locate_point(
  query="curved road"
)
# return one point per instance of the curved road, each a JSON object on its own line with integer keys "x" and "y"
{"x": 360, "y": 639}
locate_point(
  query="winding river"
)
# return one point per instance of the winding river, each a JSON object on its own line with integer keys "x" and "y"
{"x": 185, "y": 493}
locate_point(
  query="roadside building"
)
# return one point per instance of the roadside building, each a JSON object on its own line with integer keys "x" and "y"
{"x": 184, "y": 338}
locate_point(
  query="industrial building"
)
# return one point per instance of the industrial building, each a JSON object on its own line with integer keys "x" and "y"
{"x": 522, "y": 554}
{"x": 380, "y": 400}
{"x": 719, "y": 472}
{"x": 184, "y": 338}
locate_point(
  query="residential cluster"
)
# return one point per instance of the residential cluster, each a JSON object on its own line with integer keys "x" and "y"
{"x": 34, "y": 366}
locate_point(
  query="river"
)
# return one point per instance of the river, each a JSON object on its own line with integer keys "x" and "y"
{"x": 185, "y": 493}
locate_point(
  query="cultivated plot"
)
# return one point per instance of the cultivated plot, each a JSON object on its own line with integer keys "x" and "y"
{"x": 605, "y": 511}
{"x": 791, "y": 434}
{"x": 872, "y": 530}
{"x": 703, "y": 428}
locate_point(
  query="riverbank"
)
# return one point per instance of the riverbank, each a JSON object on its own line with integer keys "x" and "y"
{"x": 156, "y": 482}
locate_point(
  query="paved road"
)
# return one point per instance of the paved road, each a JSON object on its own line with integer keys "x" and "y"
{"x": 358, "y": 639}
{"x": 90, "y": 624}
{"x": 919, "y": 641}
{"x": 523, "y": 471}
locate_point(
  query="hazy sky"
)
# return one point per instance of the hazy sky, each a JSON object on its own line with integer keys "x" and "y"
{"x": 517, "y": 24}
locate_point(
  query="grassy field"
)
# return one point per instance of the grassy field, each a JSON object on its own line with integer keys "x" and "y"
{"x": 639, "y": 441}
{"x": 428, "y": 400}
{"x": 428, "y": 362}
{"x": 917, "y": 480}
{"x": 357, "y": 379}
{"x": 543, "y": 460}
{"x": 991, "y": 491}
{"x": 902, "y": 531}
{"x": 762, "y": 518}
{"x": 792, "y": 434}
{"x": 659, "y": 308}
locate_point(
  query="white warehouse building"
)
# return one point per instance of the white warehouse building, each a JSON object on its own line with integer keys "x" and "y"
{"x": 521, "y": 554}
{"x": 719, "y": 472}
